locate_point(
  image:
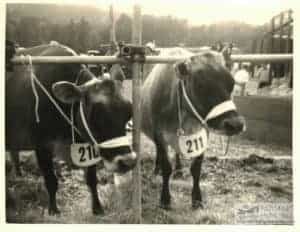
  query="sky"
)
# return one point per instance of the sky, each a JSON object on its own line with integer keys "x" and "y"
{"x": 197, "y": 12}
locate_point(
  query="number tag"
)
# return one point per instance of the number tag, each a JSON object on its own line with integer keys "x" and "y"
{"x": 193, "y": 145}
{"x": 84, "y": 154}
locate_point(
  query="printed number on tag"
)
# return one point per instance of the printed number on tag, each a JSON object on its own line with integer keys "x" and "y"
{"x": 84, "y": 154}
{"x": 193, "y": 145}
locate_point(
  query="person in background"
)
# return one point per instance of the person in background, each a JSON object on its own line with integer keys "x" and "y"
{"x": 235, "y": 67}
{"x": 227, "y": 51}
{"x": 219, "y": 46}
{"x": 263, "y": 76}
{"x": 241, "y": 77}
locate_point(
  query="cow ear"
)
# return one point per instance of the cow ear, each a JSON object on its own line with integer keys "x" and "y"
{"x": 182, "y": 69}
{"x": 66, "y": 92}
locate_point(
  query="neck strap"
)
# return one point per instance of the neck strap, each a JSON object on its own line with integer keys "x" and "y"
{"x": 85, "y": 125}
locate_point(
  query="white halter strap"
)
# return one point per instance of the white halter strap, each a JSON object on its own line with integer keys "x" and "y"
{"x": 197, "y": 115}
{"x": 86, "y": 127}
{"x": 112, "y": 143}
{"x": 214, "y": 112}
{"x": 220, "y": 109}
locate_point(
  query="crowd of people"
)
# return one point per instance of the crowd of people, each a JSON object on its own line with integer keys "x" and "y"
{"x": 262, "y": 75}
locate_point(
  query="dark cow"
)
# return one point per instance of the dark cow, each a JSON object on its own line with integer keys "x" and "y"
{"x": 207, "y": 83}
{"x": 10, "y": 51}
{"x": 106, "y": 112}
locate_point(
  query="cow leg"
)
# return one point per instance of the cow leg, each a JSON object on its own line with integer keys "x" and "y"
{"x": 178, "y": 167}
{"x": 157, "y": 165}
{"x": 166, "y": 168}
{"x": 45, "y": 163}
{"x": 195, "y": 171}
{"x": 91, "y": 180}
{"x": 15, "y": 155}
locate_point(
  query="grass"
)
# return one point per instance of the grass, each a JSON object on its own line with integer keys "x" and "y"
{"x": 27, "y": 198}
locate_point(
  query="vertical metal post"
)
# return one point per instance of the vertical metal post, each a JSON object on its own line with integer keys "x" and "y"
{"x": 271, "y": 49}
{"x": 136, "y": 79}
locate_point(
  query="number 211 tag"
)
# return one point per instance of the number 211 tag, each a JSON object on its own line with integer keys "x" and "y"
{"x": 194, "y": 144}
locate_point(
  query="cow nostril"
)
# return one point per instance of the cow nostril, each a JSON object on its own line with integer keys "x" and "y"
{"x": 233, "y": 126}
{"x": 229, "y": 126}
{"x": 127, "y": 163}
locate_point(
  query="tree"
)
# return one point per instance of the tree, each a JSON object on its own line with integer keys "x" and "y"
{"x": 83, "y": 35}
{"x": 123, "y": 28}
{"x": 71, "y": 34}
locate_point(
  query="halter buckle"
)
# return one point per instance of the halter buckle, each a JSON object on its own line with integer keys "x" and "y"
{"x": 180, "y": 132}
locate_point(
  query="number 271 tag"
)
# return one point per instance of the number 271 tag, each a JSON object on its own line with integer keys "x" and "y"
{"x": 194, "y": 144}
{"x": 84, "y": 154}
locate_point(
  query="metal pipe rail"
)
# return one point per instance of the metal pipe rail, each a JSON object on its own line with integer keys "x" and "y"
{"x": 255, "y": 58}
{"x": 261, "y": 58}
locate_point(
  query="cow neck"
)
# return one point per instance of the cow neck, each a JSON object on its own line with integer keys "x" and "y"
{"x": 216, "y": 111}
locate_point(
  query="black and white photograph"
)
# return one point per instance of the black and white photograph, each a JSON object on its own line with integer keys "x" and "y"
{"x": 149, "y": 112}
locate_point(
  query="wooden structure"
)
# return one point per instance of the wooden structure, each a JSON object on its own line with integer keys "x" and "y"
{"x": 279, "y": 39}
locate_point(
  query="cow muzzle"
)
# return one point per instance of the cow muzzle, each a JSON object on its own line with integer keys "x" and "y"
{"x": 233, "y": 125}
{"x": 121, "y": 163}
{"x": 126, "y": 162}
{"x": 124, "y": 159}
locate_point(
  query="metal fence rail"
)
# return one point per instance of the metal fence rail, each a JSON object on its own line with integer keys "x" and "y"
{"x": 255, "y": 58}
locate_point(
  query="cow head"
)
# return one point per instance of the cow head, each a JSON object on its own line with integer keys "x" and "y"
{"x": 208, "y": 83}
{"x": 106, "y": 112}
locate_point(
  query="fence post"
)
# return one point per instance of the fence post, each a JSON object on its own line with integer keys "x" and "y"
{"x": 136, "y": 80}
{"x": 271, "y": 49}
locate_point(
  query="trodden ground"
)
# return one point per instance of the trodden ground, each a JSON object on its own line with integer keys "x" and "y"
{"x": 249, "y": 173}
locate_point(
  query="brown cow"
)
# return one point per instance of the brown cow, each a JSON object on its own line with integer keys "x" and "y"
{"x": 191, "y": 96}
{"x": 100, "y": 115}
